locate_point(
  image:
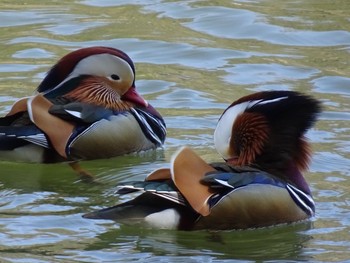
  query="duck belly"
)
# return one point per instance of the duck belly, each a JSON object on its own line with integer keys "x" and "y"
{"x": 115, "y": 136}
{"x": 28, "y": 153}
{"x": 253, "y": 206}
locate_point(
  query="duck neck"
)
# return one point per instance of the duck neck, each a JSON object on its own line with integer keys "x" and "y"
{"x": 294, "y": 175}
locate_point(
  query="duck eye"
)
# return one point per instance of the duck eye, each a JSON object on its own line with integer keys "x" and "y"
{"x": 115, "y": 77}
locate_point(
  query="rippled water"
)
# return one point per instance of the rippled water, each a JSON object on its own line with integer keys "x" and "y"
{"x": 192, "y": 59}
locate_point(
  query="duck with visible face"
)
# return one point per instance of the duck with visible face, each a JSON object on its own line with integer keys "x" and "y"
{"x": 262, "y": 140}
{"x": 86, "y": 108}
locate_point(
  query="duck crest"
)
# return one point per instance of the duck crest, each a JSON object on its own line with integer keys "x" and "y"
{"x": 266, "y": 130}
{"x": 61, "y": 70}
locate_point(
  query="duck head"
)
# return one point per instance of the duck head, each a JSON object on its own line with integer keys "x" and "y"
{"x": 266, "y": 130}
{"x": 103, "y": 76}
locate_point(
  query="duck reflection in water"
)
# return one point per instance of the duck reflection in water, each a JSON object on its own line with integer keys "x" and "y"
{"x": 282, "y": 242}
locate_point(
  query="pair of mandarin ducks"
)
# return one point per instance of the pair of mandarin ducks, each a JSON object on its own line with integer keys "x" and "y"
{"x": 87, "y": 107}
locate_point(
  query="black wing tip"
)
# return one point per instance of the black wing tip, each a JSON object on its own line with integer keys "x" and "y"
{"x": 108, "y": 213}
{"x": 92, "y": 215}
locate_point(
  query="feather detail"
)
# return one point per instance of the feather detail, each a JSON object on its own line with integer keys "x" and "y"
{"x": 302, "y": 155}
{"x": 250, "y": 132}
{"x": 97, "y": 91}
{"x": 159, "y": 174}
{"x": 187, "y": 170}
{"x": 267, "y": 130}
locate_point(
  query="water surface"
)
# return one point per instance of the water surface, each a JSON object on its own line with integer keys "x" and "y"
{"x": 192, "y": 59}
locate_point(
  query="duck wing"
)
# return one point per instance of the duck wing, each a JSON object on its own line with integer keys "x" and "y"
{"x": 17, "y": 130}
{"x": 81, "y": 112}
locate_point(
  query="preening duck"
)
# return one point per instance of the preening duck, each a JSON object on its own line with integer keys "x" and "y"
{"x": 262, "y": 140}
{"x": 87, "y": 107}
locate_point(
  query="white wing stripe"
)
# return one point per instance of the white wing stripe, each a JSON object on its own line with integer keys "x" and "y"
{"x": 222, "y": 182}
{"x": 74, "y": 113}
{"x": 301, "y": 193}
{"x": 296, "y": 193}
{"x": 39, "y": 139}
{"x": 148, "y": 127}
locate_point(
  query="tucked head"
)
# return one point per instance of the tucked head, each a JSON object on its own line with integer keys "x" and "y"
{"x": 103, "y": 74}
{"x": 266, "y": 129}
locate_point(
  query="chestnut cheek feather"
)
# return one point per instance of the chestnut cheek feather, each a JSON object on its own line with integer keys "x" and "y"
{"x": 303, "y": 154}
{"x": 98, "y": 91}
{"x": 233, "y": 161}
{"x": 249, "y": 135}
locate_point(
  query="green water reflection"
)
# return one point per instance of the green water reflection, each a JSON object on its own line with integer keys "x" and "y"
{"x": 192, "y": 59}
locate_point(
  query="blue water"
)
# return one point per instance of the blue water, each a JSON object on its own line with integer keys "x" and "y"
{"x": 193, "y": 58}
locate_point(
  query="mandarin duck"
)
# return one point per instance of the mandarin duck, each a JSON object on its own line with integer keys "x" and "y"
{"x": 261, "y": 138}
{"x": 85, "y": 108}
